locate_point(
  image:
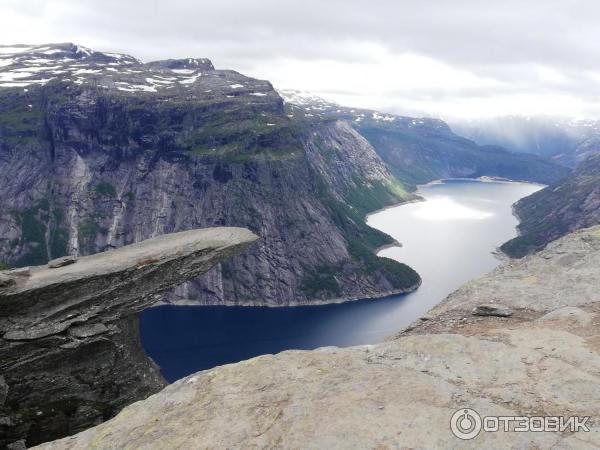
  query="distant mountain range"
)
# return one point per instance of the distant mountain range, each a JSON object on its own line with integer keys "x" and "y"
{"x": 566, "y": 141}
{"x": 567, "y": 205}
{"x": 419, "y": 150}
{"x": 98, "y": 150}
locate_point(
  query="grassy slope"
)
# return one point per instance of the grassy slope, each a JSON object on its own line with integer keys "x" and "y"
{"x": 562, "y": 207}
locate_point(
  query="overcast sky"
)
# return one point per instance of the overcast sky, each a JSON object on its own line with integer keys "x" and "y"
{"x": 454, "y": 58}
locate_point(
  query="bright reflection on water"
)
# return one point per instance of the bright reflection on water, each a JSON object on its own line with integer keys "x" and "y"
{"x": 446, "y": 208}
{"x": 448, "y": 239}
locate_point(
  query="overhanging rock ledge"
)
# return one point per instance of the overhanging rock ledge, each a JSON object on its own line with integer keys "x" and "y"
{"x": 70, "y": 354}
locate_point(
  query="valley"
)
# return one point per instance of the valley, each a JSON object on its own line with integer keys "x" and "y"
{"x": 458, "y": 220}
{"x": 167, "y": 217}
{"x": 99, "y": 150}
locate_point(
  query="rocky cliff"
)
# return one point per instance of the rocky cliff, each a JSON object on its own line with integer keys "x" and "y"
{"x": 101, "y": 150}
{"x": 70, "y": 355}
{"x": 568, "y": 205}
{"x": 533, "y": 350}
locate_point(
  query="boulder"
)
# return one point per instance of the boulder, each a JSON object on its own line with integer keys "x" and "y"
{"x": 6, "y": 281}
{"x": 61, "y": 262}
{"x": 492, "y": 310}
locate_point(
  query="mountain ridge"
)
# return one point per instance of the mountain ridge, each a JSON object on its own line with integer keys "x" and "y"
{"x": 419, "y": 150}
{"x": 563, "y": 140}
{"x": 109, "y": 156}
{"x": 568, "y": 205}
{"x": 101, "y": 150}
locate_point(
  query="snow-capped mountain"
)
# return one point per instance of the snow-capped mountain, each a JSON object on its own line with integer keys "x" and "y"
{"x": 420, "y": 149}
{"x": 307, "y": 104}
{"x": 25, "y": 67}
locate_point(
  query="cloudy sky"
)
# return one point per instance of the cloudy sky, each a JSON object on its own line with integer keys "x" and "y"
{"x": 448, "y": 58}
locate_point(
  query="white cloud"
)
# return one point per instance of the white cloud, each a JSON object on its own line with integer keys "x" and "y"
{"x": 460, "y": 58}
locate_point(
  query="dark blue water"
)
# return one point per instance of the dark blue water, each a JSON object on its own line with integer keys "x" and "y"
{"x": 448, "y": 239}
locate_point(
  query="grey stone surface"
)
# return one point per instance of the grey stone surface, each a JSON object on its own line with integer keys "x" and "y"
{"x": 6, "y": 281}
{"x": 83, "y": 331}
{"x": 543, "y": 360}
{"x": 70, "y": 354}
{"x": 492, "y": 310}
{"x": 62, "y": 261}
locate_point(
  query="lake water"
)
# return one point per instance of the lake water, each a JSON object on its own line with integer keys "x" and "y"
{"x": 448, "y": 239}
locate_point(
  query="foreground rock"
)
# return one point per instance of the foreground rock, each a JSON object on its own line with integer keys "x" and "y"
{"x": 492, "y": 310}
{"x": 543, "y": 360}
{"x": 70, "y": 353}
{"x": 61, "y": 262}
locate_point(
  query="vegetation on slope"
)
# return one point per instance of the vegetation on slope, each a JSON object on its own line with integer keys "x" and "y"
{"x": 362, "y": 240}
{"x": 568, "y": 205}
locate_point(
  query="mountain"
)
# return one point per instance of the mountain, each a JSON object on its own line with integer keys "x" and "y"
{"x": 587, "y": 147}
{"x": 560, "y": 139}
{"x": 568, "y": 205}
{"x": 419, "y": 150}
{"x": 101, "y": 150}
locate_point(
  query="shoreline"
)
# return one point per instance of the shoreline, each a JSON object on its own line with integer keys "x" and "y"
{"x": 482, "y": 179}
{"x": 321, "y": 302}
{"x": 499, "y": 254}
{"x": 417, "y": 199}
{"x": 333, "y": 301}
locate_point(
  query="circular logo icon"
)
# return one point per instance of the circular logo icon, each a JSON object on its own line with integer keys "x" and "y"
{"x": 465, "y": 424}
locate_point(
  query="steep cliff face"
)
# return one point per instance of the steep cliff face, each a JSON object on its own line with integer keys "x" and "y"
{"x": 70, "y": 355}
{"x": 99, "y": 151}
{"x": 419, "y": 150}
{"x": 541, "y": 360}
{"x": 568, "y": 205}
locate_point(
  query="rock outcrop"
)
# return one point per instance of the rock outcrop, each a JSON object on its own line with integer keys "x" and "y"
{"x": 70, "y": 355}
{"x": 543, "y": 360}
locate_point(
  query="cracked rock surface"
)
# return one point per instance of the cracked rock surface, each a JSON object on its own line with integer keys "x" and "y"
{"x": 542, "y": 360}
